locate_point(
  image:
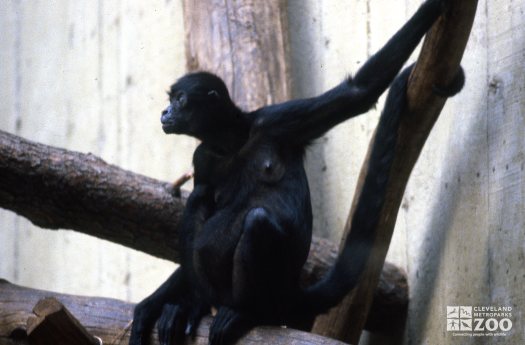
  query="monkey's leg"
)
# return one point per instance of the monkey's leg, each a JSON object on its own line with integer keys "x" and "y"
{"x": 181, "y": 310}
{"x": 261, "y": 279}
{"x": 262, "y": 271}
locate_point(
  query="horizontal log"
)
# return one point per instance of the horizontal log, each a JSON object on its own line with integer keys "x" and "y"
{"x": 110, "y": 320}
{"x": 60, "y": 189}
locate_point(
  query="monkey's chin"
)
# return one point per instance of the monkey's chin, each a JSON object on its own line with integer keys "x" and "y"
{"x": 169, "y": 129}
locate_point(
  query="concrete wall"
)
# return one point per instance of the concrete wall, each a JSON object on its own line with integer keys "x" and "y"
{"x": 91, "y": 76}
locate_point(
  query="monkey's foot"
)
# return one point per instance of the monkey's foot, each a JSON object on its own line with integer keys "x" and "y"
{"x": 454, "y": 87}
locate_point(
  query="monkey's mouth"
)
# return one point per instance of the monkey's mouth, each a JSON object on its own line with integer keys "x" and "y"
{"x": 169, "y": 128}
{"x": 169, "y": 125}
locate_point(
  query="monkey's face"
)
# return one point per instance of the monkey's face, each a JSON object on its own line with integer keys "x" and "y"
{"x": 190, "y": 113}
{"x": 199, "y": 102}
{"x": 176, "y": 117}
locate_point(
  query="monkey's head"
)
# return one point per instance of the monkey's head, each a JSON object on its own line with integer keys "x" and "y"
{"x": 199, "y": 104}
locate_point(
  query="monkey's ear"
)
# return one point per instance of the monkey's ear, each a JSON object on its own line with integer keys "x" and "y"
{"x": 214, "y": 94}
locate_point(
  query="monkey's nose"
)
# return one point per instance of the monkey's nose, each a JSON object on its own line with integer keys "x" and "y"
{"x": 164, "y": 117}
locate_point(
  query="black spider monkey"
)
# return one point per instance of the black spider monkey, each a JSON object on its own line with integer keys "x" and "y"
{"x": 246, "y": 230}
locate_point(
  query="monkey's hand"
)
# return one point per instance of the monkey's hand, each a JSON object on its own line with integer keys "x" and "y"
{"x": 180, "y": 320}
{"x": 145, "y": 315}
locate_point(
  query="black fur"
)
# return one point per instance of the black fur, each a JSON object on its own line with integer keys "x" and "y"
{"x": 246, "y": 229}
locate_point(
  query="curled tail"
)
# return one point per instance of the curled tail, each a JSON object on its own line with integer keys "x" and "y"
{"x": 351, "y": 262}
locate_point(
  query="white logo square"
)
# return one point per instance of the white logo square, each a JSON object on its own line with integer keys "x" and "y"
{"x": 453, "y": 312}
{"x": 452, "y": 324}
{"x": 465, "y": 312}
{"x": 465, "y": 324}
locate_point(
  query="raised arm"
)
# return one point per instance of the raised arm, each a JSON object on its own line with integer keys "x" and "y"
{"x": 303, "y": 120}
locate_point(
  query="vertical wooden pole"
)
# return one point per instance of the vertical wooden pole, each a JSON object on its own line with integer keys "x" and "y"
{"x": 245, "y": 42}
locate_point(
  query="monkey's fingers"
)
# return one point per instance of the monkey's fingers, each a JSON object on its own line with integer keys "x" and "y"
{"x": 194, "y": 319}
{"x": 171, "y": 323}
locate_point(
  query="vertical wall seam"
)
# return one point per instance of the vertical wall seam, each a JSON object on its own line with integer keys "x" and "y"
{"x": 18, "y": 67}
{"x": 119, "y": 89}
{"x": 100, "y": 88}
{"x": 18, "y": 121}
{"x": 487, "y": 100}
{"x": 231, "y": 17}
{"x": 368, "y": 29}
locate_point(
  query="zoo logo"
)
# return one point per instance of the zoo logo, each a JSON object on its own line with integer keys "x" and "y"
{"x": 462, "y": 318}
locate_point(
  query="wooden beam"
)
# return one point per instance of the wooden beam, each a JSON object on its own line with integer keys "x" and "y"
{"x": 437, "y": 64}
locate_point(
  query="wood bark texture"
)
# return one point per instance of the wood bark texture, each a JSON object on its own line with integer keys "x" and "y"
{"x": 109, "y": 319}
{"x": 245, "y": 42}
{"x": 60, "y": 189}
{"x": 437, "y": 64}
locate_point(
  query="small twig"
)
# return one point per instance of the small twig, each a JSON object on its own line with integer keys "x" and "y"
{"x": 122, "y": 334}
{"x": 180, "y": 182}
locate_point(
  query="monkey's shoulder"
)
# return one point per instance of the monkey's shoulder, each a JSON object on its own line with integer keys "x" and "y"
{"x": 207, "y": 164}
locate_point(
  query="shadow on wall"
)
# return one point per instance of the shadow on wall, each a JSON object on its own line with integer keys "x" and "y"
{"x": 449, "y": 229}
{"x": 307, "y": 81}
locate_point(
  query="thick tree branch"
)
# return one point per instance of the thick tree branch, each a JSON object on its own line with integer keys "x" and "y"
{"x": 56, "y": 188}
{"x": 109, "y": 319}
{"x": 438, "y": 64}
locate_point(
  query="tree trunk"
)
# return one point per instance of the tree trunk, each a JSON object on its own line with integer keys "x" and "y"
{"x": 245, "y": 42}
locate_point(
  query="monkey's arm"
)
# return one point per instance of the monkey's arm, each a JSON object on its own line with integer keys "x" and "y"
{"x": 304, "y": 120}
{"x": 171, "y": 300}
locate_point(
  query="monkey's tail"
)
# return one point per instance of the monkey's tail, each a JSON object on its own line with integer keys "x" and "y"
{"x": 351, "y": 262}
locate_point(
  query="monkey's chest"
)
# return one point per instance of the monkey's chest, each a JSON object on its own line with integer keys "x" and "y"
{"x": 250, "y": 183}
{"x": 248, "y": 177}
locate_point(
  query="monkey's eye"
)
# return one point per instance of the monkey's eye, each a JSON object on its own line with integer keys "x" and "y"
{"x": 179, "y": 99}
